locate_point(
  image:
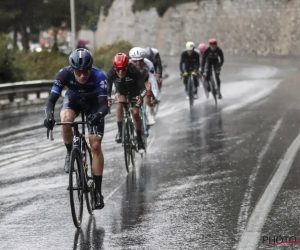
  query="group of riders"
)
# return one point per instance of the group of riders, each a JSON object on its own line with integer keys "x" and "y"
{"x": 199, "y": 62}
{"x": 137, "y": 77}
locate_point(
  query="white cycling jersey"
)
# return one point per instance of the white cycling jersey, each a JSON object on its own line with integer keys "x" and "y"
{"x": 148, "y": 69}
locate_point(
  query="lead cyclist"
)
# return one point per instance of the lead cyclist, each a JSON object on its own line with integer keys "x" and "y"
{"x": 146, "y": 67}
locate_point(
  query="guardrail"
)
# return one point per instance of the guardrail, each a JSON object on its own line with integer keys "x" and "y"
{"x": 11, "y": 90}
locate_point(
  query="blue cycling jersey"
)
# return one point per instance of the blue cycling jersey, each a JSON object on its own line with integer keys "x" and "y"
{"x": 95, "y": 85}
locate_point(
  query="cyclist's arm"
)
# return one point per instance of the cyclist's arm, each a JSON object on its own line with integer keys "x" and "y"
{"x": 101, "y": 87}
{"x": 110, "y": 79}
{"x": 221, "y": 58}
{"x": 50, "y": 104}
{"x": 153, "y": 83}
{"x": 181, "y": 63}
{"x": 56, "y": 90}
{"x": 158, "y": 65}
{"x": 197, "y": 63}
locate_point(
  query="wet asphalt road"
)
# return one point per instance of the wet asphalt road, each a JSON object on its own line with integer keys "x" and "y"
{"x": 224, "y": 178}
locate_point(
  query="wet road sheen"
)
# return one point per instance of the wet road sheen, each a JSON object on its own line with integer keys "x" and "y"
{"x": 200, "y": 187}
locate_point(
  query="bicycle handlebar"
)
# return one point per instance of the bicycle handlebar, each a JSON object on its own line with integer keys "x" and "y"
{"x": 94, "y": 128}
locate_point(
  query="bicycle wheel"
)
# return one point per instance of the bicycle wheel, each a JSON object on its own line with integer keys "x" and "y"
{"x": 213, "y": 76}
{"x": 89, "y": 179}
{"x": 76, "y": 187}
{"x": 191, "y": 90}
{"x": 155, "y": 108}
{"x": 205, "y": 85}
{"x": 213, "y": 90}
{"x": 133, "y": 139}
{"x": 145, "y": 131}
{"x": 126, "y": 144}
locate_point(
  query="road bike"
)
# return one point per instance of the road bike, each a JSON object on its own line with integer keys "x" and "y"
{"x": 81, "y": 177}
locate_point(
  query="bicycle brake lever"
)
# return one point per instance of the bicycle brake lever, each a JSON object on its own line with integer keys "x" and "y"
{"x": 51, "y": 135}
{"x": 94, "y": 128}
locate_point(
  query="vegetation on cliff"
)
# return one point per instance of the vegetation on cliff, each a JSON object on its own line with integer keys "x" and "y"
{"x": 160, "y": 5}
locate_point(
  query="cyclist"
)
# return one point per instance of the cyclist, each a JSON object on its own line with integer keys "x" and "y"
{"x": 146, "y": 67}
{"x": 190, "y": 62}
{"x": 201, "y": 48}
{"x": 127, "y": 79}
{"x": 213, "y": 55}
{"x": 152, "y": 54}
{"x": 86, "y": 92}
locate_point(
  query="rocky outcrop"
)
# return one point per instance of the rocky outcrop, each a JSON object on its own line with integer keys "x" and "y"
{"x": 241, "y": 26}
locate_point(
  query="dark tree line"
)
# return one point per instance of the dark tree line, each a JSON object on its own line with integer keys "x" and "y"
{"x": 28, "y": 17}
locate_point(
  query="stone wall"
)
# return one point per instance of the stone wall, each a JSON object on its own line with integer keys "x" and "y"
{"x": 241, "y": 26}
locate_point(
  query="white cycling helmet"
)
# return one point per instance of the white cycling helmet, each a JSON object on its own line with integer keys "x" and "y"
{"x": 137, "y": 53}
{"x": 190, "y": 46}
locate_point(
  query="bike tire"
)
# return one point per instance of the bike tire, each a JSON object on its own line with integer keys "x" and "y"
{"x": 89, "y": 180}
{"x": 205, "y": 85}
{"x": 191, "y": 91}
{"x": 126, "y": 144}
{"x": 213, "y": 90}
{"x": 145, "y": 130}
{"x": 133, "y": 143}
{"x": 214, "y": 81}
{"x": 155, "y": 108}
{"x": 76, "y": 191}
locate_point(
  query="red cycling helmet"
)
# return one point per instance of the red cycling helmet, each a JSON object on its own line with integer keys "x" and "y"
{"x": 213, "y": 41}
{"x": 120, "y": 61}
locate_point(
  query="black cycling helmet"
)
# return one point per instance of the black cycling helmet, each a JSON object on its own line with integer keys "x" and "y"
{"x": 149, "y": 53}
{"x": 81, "y": 59}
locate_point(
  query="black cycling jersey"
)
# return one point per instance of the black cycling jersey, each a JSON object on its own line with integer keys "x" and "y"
{"x": 189, "y": 62}
{"x": 133, "y": 79}
{"x": 154, "y": 57}
{"x": 212, "y": 57}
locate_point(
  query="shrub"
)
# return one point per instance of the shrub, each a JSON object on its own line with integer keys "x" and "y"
{"x": 104, "y": 55}
{"x": 41, "y": 65}
{"x": 160, "y": 5}
{"x": 9, "y": 72}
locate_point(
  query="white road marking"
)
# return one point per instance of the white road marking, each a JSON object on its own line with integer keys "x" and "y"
{"x": 244, "y": 212}
{"x": 255, "y": 224}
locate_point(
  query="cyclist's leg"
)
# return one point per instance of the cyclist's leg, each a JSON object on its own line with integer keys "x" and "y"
{"x": 120, "y": 95}
{"x": 207, "y": 75}
{"x": 69, "y": 110}
{"x": 218, "y": 78}
{"x": 196, "y": 84}
{"x": 98, "y": 158}
{"x": 185, "y": 81}
{"x": 137, "y": 120}
{"x": 150, "y": 116}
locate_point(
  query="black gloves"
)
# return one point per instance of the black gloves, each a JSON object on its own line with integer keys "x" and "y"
{"x": 49, "y": 122}
{"x": 94, "y": 119}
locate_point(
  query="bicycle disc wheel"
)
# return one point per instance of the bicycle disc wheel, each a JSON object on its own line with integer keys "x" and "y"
{"x": 126, "y": 144}
{"x": 76, "y": 187}
{"x": 191, "y": 92}
{"x": 89, "y": 180}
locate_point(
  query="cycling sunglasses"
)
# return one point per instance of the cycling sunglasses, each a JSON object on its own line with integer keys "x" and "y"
{"x": 84, "y": 72}
{"x": 121, "y": 69}
{"x": 134, "y": 61}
